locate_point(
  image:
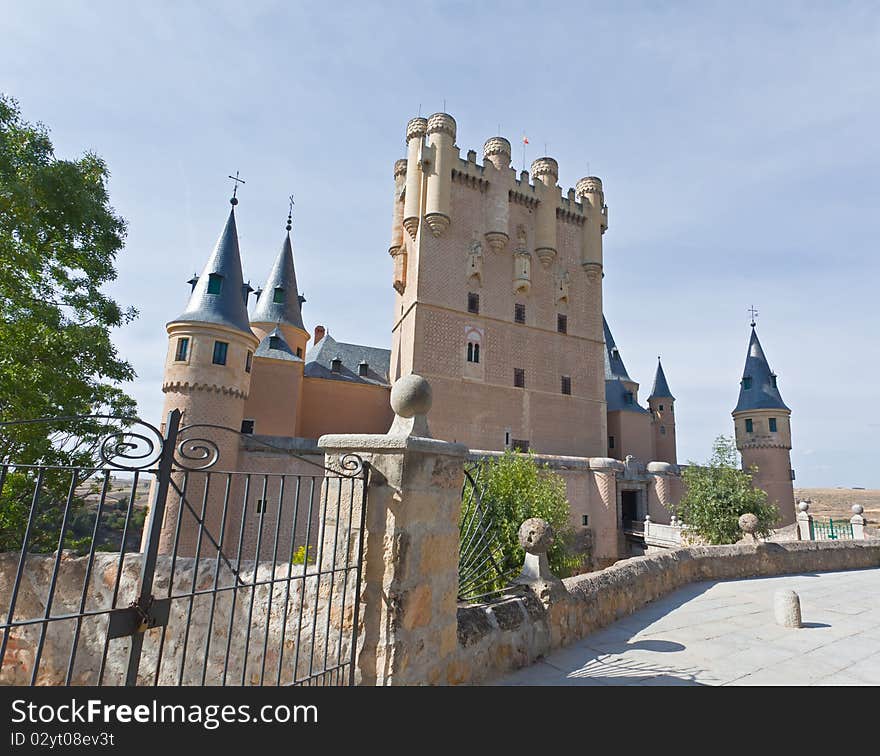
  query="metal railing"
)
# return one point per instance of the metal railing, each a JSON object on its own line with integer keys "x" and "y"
{"x": 246, "y": 578}
{"x": 832, "y": 530}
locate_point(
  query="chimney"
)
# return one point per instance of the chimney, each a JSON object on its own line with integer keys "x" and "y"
{"x": 319, "y": 334}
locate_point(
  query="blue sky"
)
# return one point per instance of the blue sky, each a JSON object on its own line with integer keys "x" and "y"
{"x": 738, "y": 144}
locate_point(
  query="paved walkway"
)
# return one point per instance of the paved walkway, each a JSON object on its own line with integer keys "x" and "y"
{"x": 724, "y": 633}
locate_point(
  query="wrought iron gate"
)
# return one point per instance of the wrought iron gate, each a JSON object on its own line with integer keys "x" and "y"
{"x": 241, "y": 578}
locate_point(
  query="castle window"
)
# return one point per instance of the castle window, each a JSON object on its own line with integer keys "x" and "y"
{"x": 473, "y": 302}
{"x": 585, "y": 520}
{"x": 773, "y": 379}
{"x": 662, "y": 430}
{"x": 610, "y": 442}
{"x": 299, "y": 352}
{"x": 661, "y": 408}
{"x": 773, "y": 425}
{"x": 519, "y": 313}
{"x": 215, "y": 283}
{"x": 247, "y": 427}
{"x": 519, "y": 378}
{"x": 792, "y": 473}
{"x": 182, "y": 349}
{"x": 749, "y": 425}
{"x": 747, "y": 382}
{"x": 520, "y": 445}
{"x": 628, "y": 398}
{"x": 274, "y": 342}
{"x": 278, "y": 295}
{"x": 261, "y": 506}
{"x": 220, "y": 350}
{"x": 566, "y": 384}
{"x": 336, "y": 364}
{"x": 363, "y": 367}
{"x": 506, "y": 439}
{"x": 562, "y": 323}
{"x": 248, "y": 361}
{"x": 473, "y": 352}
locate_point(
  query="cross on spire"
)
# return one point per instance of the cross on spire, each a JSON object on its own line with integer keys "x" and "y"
{"x": 237, "y": 181}
{"x": 754, "y": 313}
{"x": 290, "y": 212}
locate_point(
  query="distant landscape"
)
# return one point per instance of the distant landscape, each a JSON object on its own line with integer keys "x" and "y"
{"x": 837, "y": 502}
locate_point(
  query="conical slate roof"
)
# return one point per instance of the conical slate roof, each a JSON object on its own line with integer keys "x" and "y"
{"x": 661, "y": 387}
{"x": 280, "y": 285}
{"x": 226, "y": 307}
{"x": 614, "y": 367}
{"x": 275, "y": 346}
{"x": 758, "y": 388}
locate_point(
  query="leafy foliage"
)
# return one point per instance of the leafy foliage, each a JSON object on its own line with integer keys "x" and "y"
{"x": 718, "y": 493}
{"x": 59, "y": 238}
{"x": 516, "y": 487}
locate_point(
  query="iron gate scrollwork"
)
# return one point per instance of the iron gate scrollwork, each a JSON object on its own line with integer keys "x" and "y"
{"x": 245, "y": 578}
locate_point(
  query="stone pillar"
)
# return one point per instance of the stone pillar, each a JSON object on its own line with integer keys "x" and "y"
{"x": 858, "y": 522}
{"x": 804, "y": 519}
{"x": 408, "y": 631}
{"x": 609, "y": 542}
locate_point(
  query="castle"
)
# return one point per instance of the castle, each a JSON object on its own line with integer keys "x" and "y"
{"x": 497, "y": 281}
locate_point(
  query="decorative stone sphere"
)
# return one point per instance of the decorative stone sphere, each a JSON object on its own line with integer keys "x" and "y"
{"x": 857, "y": 509}
{"x": 411, "y": 396}
{"x": 536, "y": 535}
{"x": 748, "y": 523}
{"x": 803, "y": 506}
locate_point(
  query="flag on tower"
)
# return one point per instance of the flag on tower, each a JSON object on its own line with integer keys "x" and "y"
{"x": 525, "y": 140}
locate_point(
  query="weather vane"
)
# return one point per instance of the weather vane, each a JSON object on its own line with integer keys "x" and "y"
{"x": 754, "y": 313}
{"x": 237, "y": 180}
{"x": 290, "y": 212}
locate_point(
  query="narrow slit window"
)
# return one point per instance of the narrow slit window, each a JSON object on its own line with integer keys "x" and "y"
{"x": 519, "y": 313}
{"x": 610, "y": 442}
{"x": 566, "y": 384}
{"x": 182, "y": 349}
{"x": 473, "y": 303}
{"x": 220, "y": 350}
{"x": 562, "y": 323}
{"x": 519, "y": 378}
{"x": 248, "y": 361}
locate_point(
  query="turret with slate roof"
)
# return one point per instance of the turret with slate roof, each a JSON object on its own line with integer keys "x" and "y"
{"x": 621, "y": 391}
{"x": 762, "y": 424}
{"x": 661, "y": 403}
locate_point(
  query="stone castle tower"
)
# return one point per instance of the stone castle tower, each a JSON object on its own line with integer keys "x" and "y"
{"x": 762, "y": 425}
{"x": 498, "y": 281}
{"x": 661, "y": 403}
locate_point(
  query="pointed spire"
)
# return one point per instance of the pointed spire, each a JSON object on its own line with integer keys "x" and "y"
{"x": 218, "y": 293}
{"x": 758, "y": 388}
{"x": 614, "y": 367}
{"x": 661, "y": 387}
{"x": 279, "y": 301}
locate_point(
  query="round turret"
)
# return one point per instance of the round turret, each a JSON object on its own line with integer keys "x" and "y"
{"x": 441, "y": 123}
{"x": 497, "y": 149}
{"x": 588, "y": 185}
{"x": 417, "y": 127}
{"x": 545, "y": 166}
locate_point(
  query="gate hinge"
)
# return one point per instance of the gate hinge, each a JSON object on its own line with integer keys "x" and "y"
{"x": 140, "y": 616}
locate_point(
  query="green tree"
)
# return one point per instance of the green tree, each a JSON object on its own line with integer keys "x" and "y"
{"x": 59, "y": 238}
{"x": 516, "y": 487}
{"x": 718, "y": 493}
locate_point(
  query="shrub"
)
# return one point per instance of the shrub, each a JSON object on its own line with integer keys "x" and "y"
{"x": 718, "y": 493}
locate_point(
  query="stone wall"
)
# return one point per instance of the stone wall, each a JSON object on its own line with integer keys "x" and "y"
{"x": 511, "y": 633}
{"x": 239, "y": 623}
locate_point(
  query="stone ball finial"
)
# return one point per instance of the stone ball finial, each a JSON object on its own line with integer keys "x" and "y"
{"x": 857, "y": 509}
{"x": 536, "y": 535}
{"x": 803, "y": 506}
{"x": 588, "y": 185}
{"x": 748, "y": 523}
{"x": 411, "y": 396}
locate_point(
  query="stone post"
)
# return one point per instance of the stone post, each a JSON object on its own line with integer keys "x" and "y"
{"x": 858, "y": 522}
{"x": 804, "y": 518}
{"x": 408, "y": 631}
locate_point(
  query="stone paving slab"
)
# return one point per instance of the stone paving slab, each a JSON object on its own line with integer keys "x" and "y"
{"x": 724, "y": 633}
